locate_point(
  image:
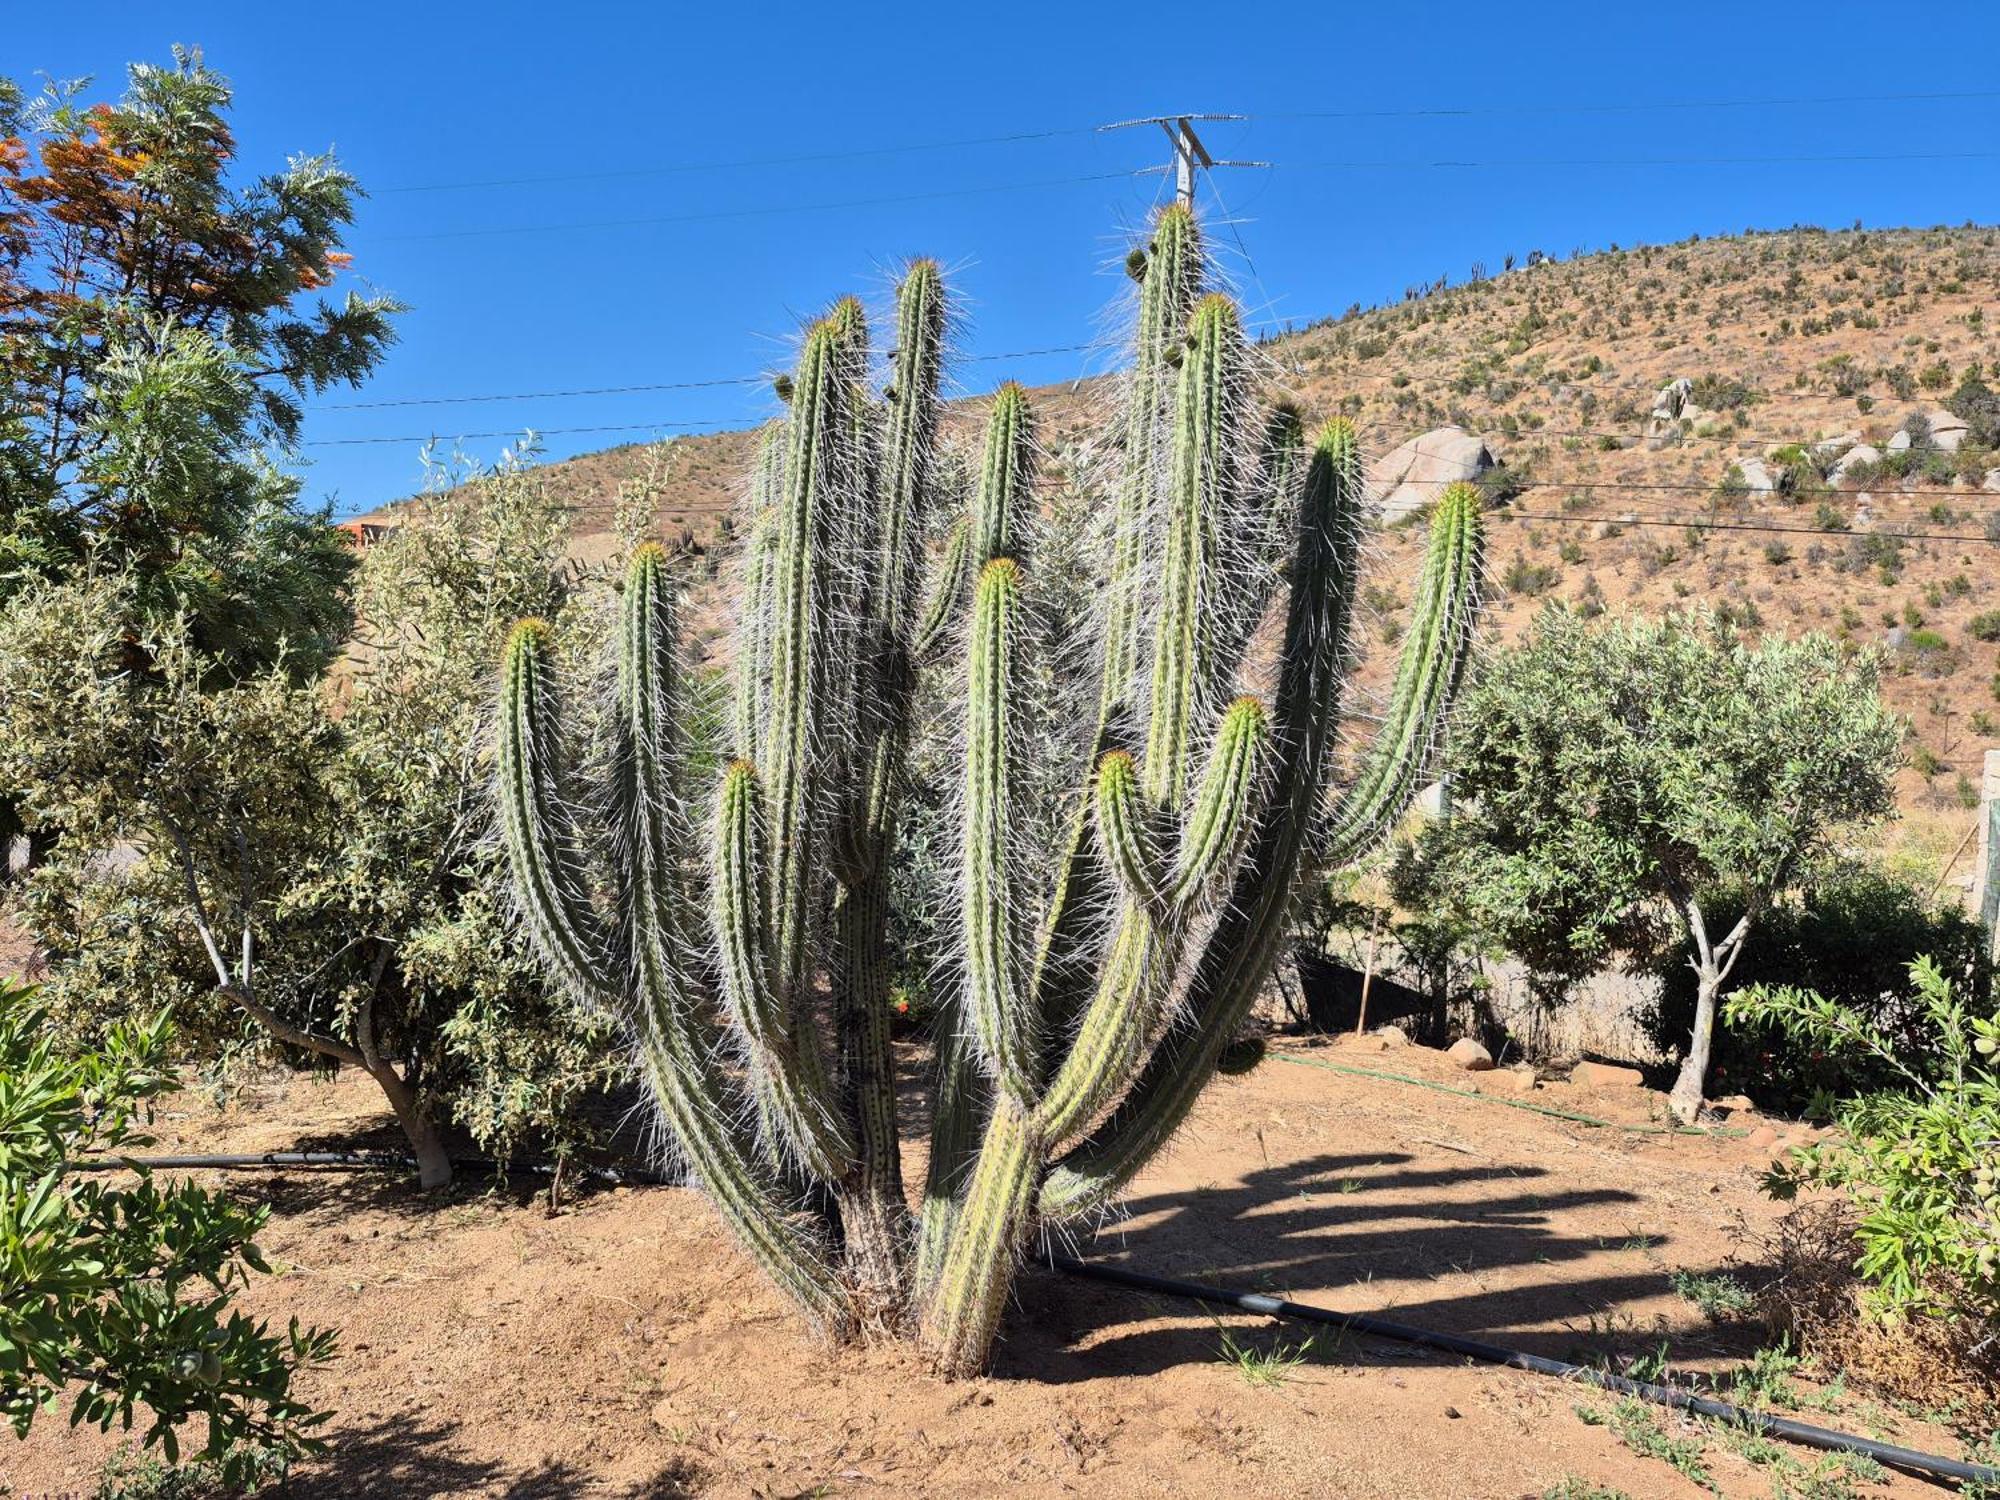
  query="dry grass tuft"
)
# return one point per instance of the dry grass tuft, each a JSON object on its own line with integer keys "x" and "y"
{"x": 1932, "y": 1364}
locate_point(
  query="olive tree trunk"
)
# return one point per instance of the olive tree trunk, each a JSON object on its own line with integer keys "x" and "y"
{"x": 1711, "y": 963}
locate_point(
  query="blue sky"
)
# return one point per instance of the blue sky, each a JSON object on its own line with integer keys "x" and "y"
{"x": 702, "y": 273}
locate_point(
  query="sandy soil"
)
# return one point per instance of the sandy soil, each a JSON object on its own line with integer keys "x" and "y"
{"x": 621, "y": 1348}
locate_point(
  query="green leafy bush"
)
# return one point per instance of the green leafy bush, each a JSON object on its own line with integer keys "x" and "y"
{"x": 122, "y": 1293}
{"x": 1917, "y": 1156}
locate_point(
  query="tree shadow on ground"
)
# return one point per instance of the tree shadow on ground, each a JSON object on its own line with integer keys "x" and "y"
{"x": 403, "y": 1455}
{"x": 1310, "y": 1228}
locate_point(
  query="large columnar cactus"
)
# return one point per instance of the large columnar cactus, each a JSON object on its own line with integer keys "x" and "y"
{"x": 1103, "y": 949}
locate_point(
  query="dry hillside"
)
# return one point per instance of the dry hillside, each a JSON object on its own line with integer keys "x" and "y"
{"x": 1788, "y": 337}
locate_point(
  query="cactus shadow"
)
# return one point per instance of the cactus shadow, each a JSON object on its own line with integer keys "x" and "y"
{"x": 1489, "y": 1251}
{"x": 405, "y": 1455}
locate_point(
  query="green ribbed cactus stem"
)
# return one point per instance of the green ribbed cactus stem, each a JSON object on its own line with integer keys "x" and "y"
{"x": 909, "y": 493}
{"x": 541, "y": 840}
{"x": 1123, "y": 829}
{"x": 1006, "y": 477}
{"x": 803, "y": 681}
{"x": 948, "y": 595}
{"x": 651, "y": 987}
{"x": 1167, "y": 295}
{"x": 1245, "y": 944}
{"x": 1213, "y": 836}
{"x": 961, "y": 1095}
{"x": 752, "y": 704}
{"x": 1427, "y": 676}
{"x": 969, "y": 1294}
{"x": 1002, "y": 1022}
{"x": 1208, "y": 425}
{"x": 789, "y": 1084}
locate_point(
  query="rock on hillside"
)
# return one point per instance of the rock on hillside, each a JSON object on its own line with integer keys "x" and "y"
{"x": 1410, "y": 475}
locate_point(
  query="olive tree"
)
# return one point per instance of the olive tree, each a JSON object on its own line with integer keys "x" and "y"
{"x": 312, "y": 856}
{"x": 1613, "y": 785}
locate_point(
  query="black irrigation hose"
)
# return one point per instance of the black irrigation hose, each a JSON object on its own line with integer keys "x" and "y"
{"x": 363, "y": 1161}
{"x": 1254, "y": 1302}
{"x": 1451, "y": 1343}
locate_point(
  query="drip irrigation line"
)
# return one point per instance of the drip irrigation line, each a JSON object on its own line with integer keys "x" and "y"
{"x": 1497, "y": 1354}
{"x": 1539, "y": 1109}
{"x": 360, "y": 1161}
{"x": 1253, "y": 1302}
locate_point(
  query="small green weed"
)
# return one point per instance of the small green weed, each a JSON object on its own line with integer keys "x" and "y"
{"x": 1721, "y": 1297}
{"x": 1260, "y": 1366}
{"x": 1574, "y": 1487}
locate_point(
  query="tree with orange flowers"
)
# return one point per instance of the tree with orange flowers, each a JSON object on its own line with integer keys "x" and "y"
{"x": 160, "y": 326}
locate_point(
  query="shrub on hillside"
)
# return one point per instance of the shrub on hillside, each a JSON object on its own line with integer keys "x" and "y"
{"x": 1721, "y": 392}
{"x": 1978, "y": 406}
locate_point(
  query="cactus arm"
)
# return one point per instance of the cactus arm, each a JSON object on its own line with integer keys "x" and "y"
{"x": 1171, "y": 281}
{"x": 799, "y": 672}
{"x": 1001, "y": 1022}
{"x": 959, "y": 1103}
{"x": 753, "y": 694}
{"x": 1006, "y": 477}
{"x": 1207, "y": 424}
{"x": 1238, "y": 957}
{"x": 969, "y": 1293}
{"x": 1213, "y": 836}
{"x": 1427, "y": 678}
{"x": 541, "y": 839}
{"x": 914, "y": 411}
{"x": 1127, "y": 841}
{"x": 687, "y": 1087}
{"x": 791, "y": 1089}
{"x": 947, "y": 590}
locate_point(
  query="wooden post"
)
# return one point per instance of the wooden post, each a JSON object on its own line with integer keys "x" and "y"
{"x": 1367, "y": 974}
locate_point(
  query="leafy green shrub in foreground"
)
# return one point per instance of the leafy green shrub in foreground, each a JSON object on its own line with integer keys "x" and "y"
{"x": 1918, "y": 1157}
{"x": 121, "y": 1293}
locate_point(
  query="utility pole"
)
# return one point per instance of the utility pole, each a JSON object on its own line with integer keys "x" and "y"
{"x": 1189, "y": 152}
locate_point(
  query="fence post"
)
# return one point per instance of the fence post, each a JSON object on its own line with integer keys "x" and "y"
{"x": 1986, "y": 878}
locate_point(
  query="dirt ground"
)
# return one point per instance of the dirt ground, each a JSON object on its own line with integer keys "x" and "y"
{"x": 621, "y": 1348}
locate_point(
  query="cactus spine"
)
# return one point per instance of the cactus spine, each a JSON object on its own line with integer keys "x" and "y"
{"x": 1100, "y": 968}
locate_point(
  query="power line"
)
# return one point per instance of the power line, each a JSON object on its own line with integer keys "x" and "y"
{"x": 1639, "y": 161}
{"x": 1490, "y": 110}
{"x": 1700, "y": 521}
{"x": 751, "y": 213}
{"x": 726, "y": 423}
{"x": 738, "y": 164}
{"x": 666, "y": 385}
{"x": 1059, "y": 132}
